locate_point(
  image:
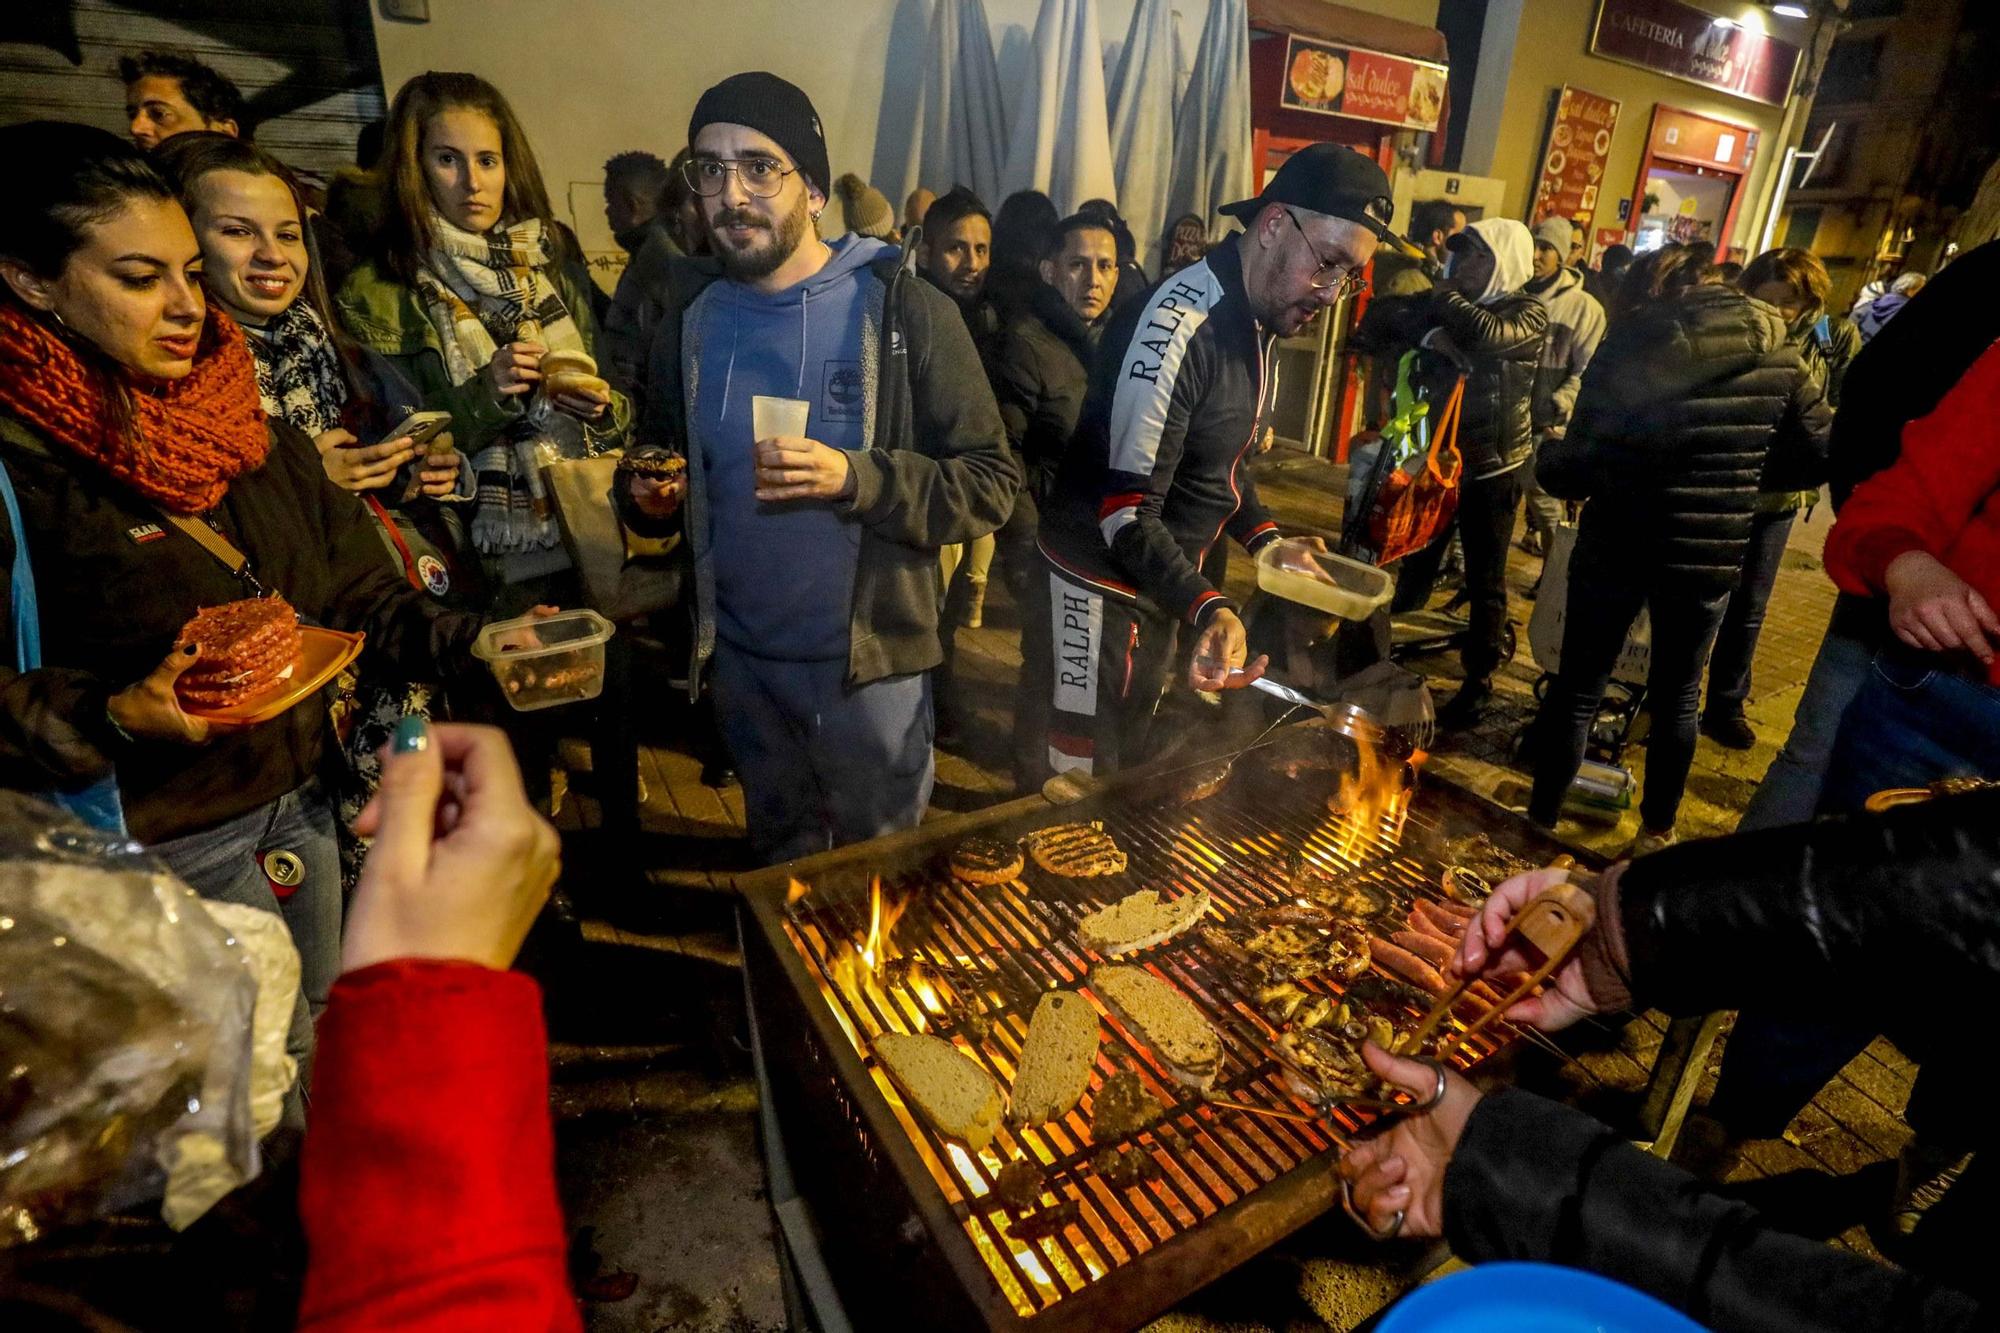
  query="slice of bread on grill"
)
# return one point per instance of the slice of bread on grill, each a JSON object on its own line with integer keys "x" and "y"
{"x": 947, "y": 1087}
{"x": 1140, "y": 920}
{"x": 1078, "y": 851}
{"x": 1167, "y": 1022}
{"x": 1055, "y": 1059}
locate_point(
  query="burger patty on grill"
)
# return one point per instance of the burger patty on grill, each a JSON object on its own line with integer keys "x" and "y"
{"x": 984, "y": 861}
{"x": 1078, "y": 851}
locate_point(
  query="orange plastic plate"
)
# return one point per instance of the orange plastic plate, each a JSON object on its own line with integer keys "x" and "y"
{"x": 323, "y": 652}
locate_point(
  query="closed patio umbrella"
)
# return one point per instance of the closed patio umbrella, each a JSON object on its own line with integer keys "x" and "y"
{"x": 1142, "y": 124}
{"x": 961, "y": 133}
{"x": 1060, "y": 139}
{"x": 1212, "y": 164}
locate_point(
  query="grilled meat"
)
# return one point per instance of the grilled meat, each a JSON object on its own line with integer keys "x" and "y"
{"x": 1485, "y": 858}
{"x": 1076, "y": 851}
{"x": 984, "y": 862}
{"x": 1199, "y": 783}
{"x": 1292, "y": 915}
{"x": 1020, "y": 1185}
{"x": 1045, "y": 1222}
{"x": 1121, "y": 1107}
{"x": 1342, "y": 895}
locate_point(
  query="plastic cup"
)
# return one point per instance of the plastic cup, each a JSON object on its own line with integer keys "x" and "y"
{"x": 772, "y": 417}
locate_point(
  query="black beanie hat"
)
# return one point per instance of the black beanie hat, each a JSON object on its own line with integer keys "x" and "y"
{"x": 771, "y": 106}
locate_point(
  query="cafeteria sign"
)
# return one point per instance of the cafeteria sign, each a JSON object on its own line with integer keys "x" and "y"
{"x": 1362, "y": 85}
{"x": 1573, "y": 163}
{"x": 1692, "y": 44}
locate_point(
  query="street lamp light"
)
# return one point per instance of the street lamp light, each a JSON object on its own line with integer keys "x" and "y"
{"x": 1791, "y": 9}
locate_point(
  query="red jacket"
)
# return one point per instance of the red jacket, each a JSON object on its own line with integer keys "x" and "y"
{"x": 427, "y": 1183}
{"x": 1941, "y": 496}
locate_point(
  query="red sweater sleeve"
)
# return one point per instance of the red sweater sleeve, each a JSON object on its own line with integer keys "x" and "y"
{"x": 427, "y": 1183}
{"x": 1948, "y": 469}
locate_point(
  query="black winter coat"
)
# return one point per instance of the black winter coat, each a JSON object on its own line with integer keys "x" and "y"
{"x": 1692, "y": 406}
{"x": 115, "y": 584}
{"x": 1040, "y": 369}
{"x": 1793, "y": 919}
{"x": 1497, "y": 347}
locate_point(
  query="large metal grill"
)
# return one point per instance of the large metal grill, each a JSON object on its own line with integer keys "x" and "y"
{"x": 1144, "y": 1219}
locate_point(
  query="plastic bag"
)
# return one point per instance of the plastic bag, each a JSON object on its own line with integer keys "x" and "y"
{"x": 126, "y": 1024}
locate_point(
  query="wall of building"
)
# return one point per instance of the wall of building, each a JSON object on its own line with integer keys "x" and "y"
{"x": 1552, "y": 48}
{"x": 590, "y": 80}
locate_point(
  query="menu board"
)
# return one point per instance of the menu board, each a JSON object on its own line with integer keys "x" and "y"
{"x": 1574, "y": 159}
{"x": 1334, "y": 80}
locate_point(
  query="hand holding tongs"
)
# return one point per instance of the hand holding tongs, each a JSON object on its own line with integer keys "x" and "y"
{"x": 1552, "y": 924}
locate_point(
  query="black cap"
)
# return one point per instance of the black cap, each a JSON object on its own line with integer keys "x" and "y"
{"x": 1327, "y": 178}
{"x": 772, "y": 107}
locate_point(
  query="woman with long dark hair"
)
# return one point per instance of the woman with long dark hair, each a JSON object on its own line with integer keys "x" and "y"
{"x": 134, "y": 443}
{"x": 473, "y": 286}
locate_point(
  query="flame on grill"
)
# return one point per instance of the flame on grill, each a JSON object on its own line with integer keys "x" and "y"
{"x": 1372, "y": 801}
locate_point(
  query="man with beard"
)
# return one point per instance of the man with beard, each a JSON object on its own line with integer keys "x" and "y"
{"x": 815, "y": 551}
{"x": 1155, "y": 475}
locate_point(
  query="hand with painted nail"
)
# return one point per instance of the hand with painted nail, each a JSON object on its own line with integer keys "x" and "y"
{"x": 1401, "y": 1171}
{"x": 461, "y": 862}
{"x": 148, "y": 709}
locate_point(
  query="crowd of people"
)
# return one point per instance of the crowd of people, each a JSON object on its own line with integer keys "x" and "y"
{"x": 209, "y": 367}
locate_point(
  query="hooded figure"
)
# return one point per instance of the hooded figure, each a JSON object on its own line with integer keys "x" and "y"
{"x": 1482, "y": 326}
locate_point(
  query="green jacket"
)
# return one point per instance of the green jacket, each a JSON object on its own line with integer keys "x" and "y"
{"x": 383, "y": 314}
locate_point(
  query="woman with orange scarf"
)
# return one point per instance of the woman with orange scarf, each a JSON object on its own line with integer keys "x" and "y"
{"x": 127, "y": 407}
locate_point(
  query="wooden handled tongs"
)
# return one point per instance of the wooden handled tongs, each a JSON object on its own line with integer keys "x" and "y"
{"x": 1551, "y": 925}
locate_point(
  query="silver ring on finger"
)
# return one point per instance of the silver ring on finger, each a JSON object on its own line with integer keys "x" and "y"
{"x": 1360, "y": 1219}
{"x": 1437, "y": 1093}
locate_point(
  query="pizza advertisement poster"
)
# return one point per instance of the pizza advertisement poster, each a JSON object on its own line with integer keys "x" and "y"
{"x": 1333, "y": 80}
{"x": 1575, "y": 156}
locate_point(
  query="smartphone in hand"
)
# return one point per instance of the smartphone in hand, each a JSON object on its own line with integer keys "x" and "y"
{"x": 422, "y": 428}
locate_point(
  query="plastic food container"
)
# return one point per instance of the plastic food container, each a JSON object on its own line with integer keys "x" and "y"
{"x": 1342, "y": 587}
{"x": 541, "y": 663}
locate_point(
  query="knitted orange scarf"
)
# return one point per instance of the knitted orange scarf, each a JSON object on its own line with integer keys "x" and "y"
{"x": 189, "y": 438}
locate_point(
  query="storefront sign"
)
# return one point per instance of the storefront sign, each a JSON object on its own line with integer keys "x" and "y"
{"x": 1692, "y": 44}
{"x": 1573, "y": 161}
{"x": 1363, "y": 85}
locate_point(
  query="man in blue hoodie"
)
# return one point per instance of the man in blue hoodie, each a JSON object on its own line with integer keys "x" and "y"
{"x": 815, "y": 553}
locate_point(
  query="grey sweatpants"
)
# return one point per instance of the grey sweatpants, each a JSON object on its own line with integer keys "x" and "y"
{"x": 822, "y": 764}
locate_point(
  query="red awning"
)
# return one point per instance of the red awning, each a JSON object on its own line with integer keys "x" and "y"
{"x": 1354, "y": 27}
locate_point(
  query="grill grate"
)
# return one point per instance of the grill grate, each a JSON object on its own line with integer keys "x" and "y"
{"x": 973, "y": 962}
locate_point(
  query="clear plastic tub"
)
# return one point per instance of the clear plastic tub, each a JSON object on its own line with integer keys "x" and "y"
{"x": 541, "y": 663}
{"x": 1336, "y": 585}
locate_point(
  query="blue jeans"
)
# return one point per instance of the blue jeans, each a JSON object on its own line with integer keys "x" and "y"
{"x": 1743, "y": 618}
{"x": 221, "y": 864}
{"x": 1790, "y": 791}
{"x": 823, "y": 765}
{"x": 1909, "y": 724}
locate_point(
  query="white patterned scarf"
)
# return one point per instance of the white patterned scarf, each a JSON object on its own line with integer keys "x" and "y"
{"x": 479, "y": 289}
{"x": 298, "y": 372}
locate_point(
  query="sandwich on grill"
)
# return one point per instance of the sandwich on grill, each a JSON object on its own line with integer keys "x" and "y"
{"x": 948, "y": 1088}
{"x": 1139, "y": 921}
{"x": 244, "y": 651}
{"x": 568, "y": 371}
{"x": 1167, "y": 1022}
{"x": 1077, "y": 851}
{"x": 1055, "y": 1059}
{"x": 983, "y": 861}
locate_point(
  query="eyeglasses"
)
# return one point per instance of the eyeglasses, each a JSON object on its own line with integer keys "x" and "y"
{"x": 761, "y": 176}
{"x": 1343, "y": 280}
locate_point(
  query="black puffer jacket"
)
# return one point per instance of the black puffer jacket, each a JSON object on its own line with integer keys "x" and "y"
{"x": 1040, "y": 369}
{"x": 1691, "y": 407}
{"x": 1496, "y": 345}
{"x": 1787, "y": 919}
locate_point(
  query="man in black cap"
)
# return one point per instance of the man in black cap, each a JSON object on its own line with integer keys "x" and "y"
{"x": 815, "y": 539}
{"x": 1156, "y": 474}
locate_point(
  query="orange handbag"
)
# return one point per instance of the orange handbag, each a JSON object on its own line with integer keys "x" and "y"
{"x": 1411, "y": 510}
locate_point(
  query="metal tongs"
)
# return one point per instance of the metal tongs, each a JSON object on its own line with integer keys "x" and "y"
{"x": 1552, "y": 924}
